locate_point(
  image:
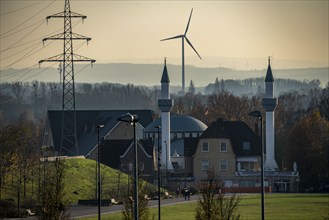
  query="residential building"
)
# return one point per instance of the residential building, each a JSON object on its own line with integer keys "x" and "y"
{"x": 224, "y": 148}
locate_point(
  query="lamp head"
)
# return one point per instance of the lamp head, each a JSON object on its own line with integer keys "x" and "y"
{"x": 128, "y": 118}
{"x": 256, "y": 113}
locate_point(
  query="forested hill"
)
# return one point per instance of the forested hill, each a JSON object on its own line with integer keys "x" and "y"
{"x": 150, "y": 74}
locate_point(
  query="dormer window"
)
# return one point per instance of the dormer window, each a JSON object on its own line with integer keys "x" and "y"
{"x": 205, "y": 147}
{"x": 246, "y": 146}
{"x": 223, "y": 147}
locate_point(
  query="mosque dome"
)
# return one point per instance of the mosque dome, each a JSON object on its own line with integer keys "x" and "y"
{"x": 179, "y": 124}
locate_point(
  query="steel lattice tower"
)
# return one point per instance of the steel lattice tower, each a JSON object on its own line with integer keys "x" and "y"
{"x": 69, "y": 143}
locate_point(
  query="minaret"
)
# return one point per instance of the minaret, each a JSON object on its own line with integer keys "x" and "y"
{"x": 165, "y": 104}
{"x": 269, "y": 103}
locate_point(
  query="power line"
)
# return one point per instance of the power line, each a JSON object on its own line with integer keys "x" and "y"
{"x": 16, "y": 10}
{"x": 5, "y": 58}
{"x": 13, "y": 74}
{"x": 29, "y": 18}
{"x": 10, "y": 34}
{"x": 8, "y": 48}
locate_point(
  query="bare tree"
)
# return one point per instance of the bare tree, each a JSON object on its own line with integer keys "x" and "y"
{"x": 18, "y": 89}
{"x": 214, "y": 204}
{"x": 143, "y": 209}
{"x": 53, "y": 204}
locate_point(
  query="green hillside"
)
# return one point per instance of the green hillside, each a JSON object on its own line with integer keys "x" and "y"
{"x": 80, "y": 180}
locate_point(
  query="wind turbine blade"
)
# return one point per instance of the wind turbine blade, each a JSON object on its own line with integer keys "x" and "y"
{"x": 178, "y": 36}
{"x": 188, "y": 23}
{"x": 193, "y": 47}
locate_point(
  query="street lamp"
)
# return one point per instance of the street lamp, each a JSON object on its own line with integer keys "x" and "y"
{"x": 258, "y": 114}
{"x": 159, "y": 184}
{"x": 98, "y": 172}
{"x": 133, "y": 119}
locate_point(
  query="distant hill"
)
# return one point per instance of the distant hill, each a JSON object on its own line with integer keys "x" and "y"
{"x": 150, "y": 74}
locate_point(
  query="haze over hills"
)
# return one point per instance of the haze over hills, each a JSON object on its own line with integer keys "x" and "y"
{"x": 150, "y": 74}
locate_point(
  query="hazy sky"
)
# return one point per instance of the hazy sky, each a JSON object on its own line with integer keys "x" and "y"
{"x": 234, "y": 34}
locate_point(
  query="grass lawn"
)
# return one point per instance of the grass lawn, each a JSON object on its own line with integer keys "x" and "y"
{"x": 277, "y": 206}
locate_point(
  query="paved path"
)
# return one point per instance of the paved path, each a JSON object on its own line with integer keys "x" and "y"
{"x": 79, "y": 211}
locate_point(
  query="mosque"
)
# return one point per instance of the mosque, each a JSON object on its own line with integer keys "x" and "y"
{"x": 189, "y": 148}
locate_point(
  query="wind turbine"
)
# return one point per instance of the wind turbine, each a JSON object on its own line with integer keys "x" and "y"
{"x": 184, "y": 37}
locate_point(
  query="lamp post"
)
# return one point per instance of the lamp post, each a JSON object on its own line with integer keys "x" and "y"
{"x": 258, "y": 114}
{"x": 98, "y": 173}
{"x": 159, "y": 183}
{"x": 133, "y": 119}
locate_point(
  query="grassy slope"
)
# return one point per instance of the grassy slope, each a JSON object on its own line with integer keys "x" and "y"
{"x": 80, "y": 179}
{"x": 277, "y": 206}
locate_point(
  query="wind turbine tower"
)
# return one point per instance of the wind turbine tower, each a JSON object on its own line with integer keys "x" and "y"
{"x": 69, "y": 143}
{"x": 184, "y": 37}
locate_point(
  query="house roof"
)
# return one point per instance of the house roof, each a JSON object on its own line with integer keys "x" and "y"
{"x": 190, "y": 146}
{"x": 238, "y": 132}
{"x": 86, "y": 125}
{"x": 179, "y": 124}
{"x": 111, "y": 150}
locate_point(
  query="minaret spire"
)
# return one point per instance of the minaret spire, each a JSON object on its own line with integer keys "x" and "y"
{"x": 165, "y": 104}
{"x": 269, "y": 103}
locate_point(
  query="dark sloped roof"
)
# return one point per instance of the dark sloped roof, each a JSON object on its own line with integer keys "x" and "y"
{"x": 165, "y": 76}
{"x": 178, "y": 123}
{"x": 87, "y": 121}
{"x": 111, "y": 150}
{"x": 190, "y": 146}
{"x": 238, "y": 132}
{"x": 269, "y": 76}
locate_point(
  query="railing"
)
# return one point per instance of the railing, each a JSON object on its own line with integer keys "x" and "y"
{"x": 267, "y": 173}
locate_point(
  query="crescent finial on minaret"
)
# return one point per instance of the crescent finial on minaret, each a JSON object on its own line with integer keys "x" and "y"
{"x": 165, "y": 60}
{"x": 269, "y": 60}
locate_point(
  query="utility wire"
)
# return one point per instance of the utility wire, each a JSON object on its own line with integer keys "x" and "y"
{"x": 38, "y": 39}
{"x": 82, "y": 69}
{"x": 27, "y": 70}
{"x": 5, "y": 58}
{"x": 8, "y": 48}
{"x": 29, "y": 53}
{"x": 16, "y": 10}
{"x": 29, "y": 18}
{"x": 2, "y": 36}
{"x": 13, "y": 74}
{"x": 24, "y": 56}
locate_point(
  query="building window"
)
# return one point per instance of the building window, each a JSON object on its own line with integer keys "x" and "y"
{"x": 247, "y": 183}
{"x": 130, "y": 166}
{"x": 247, "y": 166}
{"x": 223, "y": 165}
{"x": 228, "y": 183}
{"x": 223, "y": 147}
{"x": 246, "y": 146}
{"x": 205, "y": 147}
{"x": 205, "y": 165}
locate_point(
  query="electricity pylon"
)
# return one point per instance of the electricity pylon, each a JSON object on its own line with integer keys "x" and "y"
{"x": 69, "y": 143}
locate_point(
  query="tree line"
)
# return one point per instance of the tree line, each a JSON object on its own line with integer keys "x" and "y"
{"x": 301, "y": 120}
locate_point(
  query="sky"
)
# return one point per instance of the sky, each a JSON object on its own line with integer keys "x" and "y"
{"x": 233, "y": 34}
